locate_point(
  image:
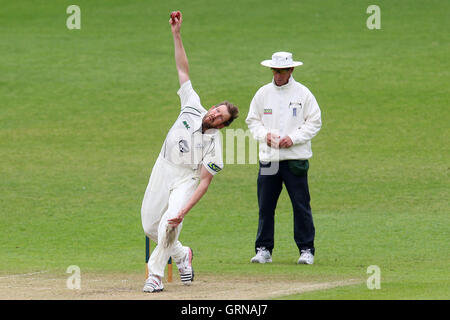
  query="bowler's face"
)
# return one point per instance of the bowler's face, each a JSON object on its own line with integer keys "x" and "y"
{"x": 216, "y": 117}
{"x": 281, "y": 76}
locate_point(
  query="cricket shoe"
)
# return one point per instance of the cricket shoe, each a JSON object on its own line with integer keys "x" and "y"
{"x": 185, "y": 267}
{"x": 306, "y": 257}
{"x": 262, "y": 256}
{"x": 153, "y": 284}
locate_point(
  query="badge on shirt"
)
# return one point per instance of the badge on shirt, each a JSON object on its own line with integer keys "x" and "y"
{"x": 267, "y": 111}
{"x": 294, "y": 106}
{"x": 186, "y": 125}
{"x": 214, "y": 167}
{"x": 183, "y": 146}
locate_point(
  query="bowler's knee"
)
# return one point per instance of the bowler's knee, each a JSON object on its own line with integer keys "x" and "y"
{"x": 151, "y": 232}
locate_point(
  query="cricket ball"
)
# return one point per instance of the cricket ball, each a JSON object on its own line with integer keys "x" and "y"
{"x": 175, "y": 14}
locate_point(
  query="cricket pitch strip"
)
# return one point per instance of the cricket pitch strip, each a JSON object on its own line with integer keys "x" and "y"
{"x": 94, "y": 286}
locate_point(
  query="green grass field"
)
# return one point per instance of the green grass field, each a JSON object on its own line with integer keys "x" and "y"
{"x": 83, "y": 115}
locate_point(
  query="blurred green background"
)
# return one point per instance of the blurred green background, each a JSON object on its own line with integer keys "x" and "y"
{"x": 83, "y": 115}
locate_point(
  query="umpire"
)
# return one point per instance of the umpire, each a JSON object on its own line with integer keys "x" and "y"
{"x": 284, "y": 116}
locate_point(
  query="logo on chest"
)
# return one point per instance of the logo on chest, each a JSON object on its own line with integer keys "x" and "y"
{"x": 186, "y": 124}
{"x": 183, "y": 146}
{"x": 294, "y": 106}
{"x": 267, "y": 111}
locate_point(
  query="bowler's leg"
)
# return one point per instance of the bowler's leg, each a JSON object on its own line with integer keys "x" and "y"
{"x": 168, "y": 244}
{"x": 155, "y": 202}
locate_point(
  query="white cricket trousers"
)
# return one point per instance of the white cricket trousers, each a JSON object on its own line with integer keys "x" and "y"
{"x": 169, "y": 188}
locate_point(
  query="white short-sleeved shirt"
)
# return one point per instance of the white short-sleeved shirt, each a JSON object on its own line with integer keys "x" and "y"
{"x": 185, "y": 144}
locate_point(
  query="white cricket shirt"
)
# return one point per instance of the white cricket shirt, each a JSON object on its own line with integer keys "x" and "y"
{"x": 288, "y": 110}
{"x": 185, "y": 144}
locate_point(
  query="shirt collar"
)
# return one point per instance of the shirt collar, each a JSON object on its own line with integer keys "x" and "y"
{"x": 198, "y": 123}
{"x": 210, "y": 133}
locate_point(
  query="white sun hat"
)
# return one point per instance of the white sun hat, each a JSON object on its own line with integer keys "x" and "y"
{"x": 281, "y": 60}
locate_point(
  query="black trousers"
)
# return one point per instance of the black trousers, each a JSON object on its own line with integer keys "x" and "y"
{"x": 269, "y": 189}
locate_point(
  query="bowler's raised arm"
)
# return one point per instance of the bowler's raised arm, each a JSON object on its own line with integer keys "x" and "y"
{"x": 180, "y": 54}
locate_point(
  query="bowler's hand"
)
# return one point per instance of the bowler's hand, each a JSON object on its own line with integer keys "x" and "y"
{"x": 286, "y": 142}
{"x": 175, "y": 21}
{"x": 174, "y": 222}
{"x": 272, "y": 140}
